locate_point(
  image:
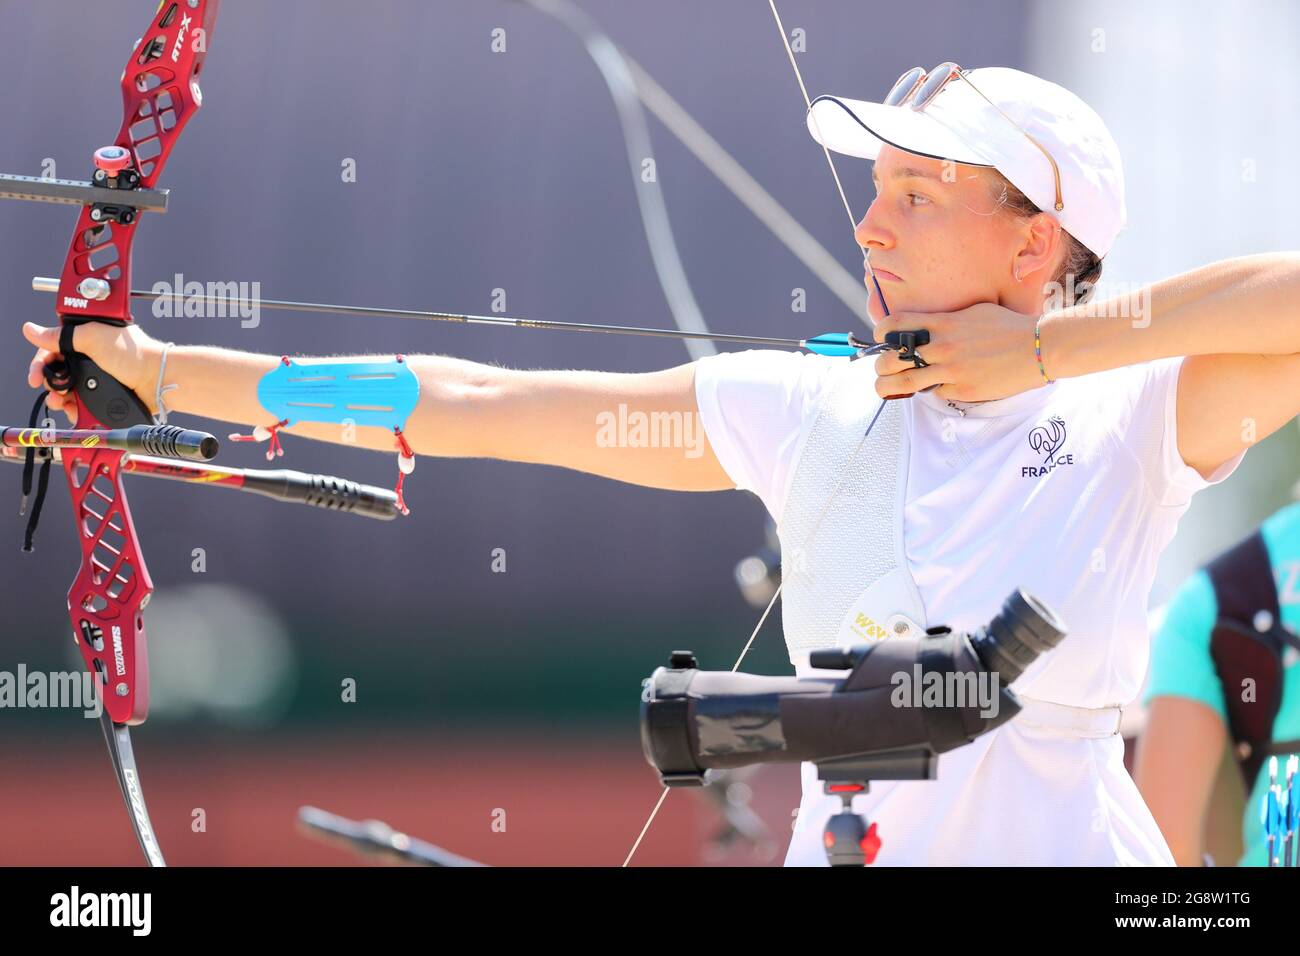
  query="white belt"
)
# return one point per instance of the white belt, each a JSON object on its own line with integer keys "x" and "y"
{"x": 1071, "y": 721}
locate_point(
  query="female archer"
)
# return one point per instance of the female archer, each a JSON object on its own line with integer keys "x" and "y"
{"x": 1048, "y": 442}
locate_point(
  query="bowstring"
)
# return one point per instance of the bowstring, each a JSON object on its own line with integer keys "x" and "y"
{"x": 821, "y": 515}
{"x": 830, "y": 162}
{"x": 866, "y": 261}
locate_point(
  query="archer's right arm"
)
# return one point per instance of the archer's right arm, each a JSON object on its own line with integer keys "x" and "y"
{"x": 1179, "y": 762}
{"x": 1182, "y": 748}
{"x": 641, "y": 428}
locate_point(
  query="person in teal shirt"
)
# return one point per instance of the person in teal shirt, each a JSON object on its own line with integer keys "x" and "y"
{"x": 1223, "y": 674}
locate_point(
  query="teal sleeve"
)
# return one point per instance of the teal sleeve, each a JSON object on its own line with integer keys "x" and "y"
{"x": 1181, "y": 665}
{"x": 1281, "y": 533}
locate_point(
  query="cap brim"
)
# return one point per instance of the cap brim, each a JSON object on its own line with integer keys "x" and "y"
{"x": 859, "y": 128}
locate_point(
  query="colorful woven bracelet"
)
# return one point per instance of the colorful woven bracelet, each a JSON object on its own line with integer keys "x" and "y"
{"x": 1038, "y": 352}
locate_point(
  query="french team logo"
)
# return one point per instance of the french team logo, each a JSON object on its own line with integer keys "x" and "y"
{"x": 1047, "y": 439}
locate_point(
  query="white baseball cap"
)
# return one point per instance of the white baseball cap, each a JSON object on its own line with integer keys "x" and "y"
{"x": 959, "y": 124}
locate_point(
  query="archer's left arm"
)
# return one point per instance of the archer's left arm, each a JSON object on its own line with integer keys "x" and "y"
{"x": 1238, "y": 323}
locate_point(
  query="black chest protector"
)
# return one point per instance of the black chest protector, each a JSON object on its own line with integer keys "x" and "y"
{"x": 1247, "y": 644}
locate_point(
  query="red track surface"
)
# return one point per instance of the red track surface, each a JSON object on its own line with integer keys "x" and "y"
{"x": 567, "y": 801}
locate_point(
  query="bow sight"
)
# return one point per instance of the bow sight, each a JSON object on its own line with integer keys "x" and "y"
{"x": 869, "y": 724}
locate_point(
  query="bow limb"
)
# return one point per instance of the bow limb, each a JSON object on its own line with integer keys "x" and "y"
{"x": 160, "y": 94}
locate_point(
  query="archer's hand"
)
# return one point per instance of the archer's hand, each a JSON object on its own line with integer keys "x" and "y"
{"x": 127, "y": 353}
{"x": 981, "y": 353}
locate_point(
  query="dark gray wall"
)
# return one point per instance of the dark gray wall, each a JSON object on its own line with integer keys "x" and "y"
{"x": 476, "y": 171}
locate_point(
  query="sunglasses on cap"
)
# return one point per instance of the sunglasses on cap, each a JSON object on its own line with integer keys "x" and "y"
{"x": 917, "y": 89}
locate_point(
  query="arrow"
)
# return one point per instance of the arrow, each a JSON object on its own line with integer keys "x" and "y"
{"x": 834, "y": 344}
{"x": 1292, "y": 810}
{"x": 1270, "y": 812}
